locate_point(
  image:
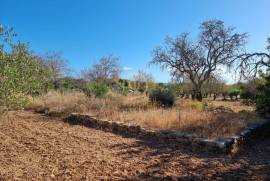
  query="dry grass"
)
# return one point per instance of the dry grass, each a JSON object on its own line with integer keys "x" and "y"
{"x": 236, "y": 106}
{"x": 187, "y": 116}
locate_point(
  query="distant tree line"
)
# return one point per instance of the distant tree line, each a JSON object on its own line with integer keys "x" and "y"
{"x": 192, "y": 64}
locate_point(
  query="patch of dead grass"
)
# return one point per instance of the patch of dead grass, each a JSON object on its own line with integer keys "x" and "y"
{"x": 186, "y": 116}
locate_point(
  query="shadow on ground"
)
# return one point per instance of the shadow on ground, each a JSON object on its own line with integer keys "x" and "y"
{"x": 170, "y": 162}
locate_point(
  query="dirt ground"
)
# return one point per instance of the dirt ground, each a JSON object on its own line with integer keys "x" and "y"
{"x": 35, "y": 147}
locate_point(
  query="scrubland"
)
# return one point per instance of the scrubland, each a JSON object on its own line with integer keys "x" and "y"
{"x": 211, "y": 119}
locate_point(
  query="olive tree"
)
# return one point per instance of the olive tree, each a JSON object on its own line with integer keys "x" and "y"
{"x": 216, "y": 46}
{"x": 213, "y": 86}
{"x": 21, "y": 74}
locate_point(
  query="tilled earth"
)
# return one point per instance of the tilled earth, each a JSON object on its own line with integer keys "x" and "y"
{"x": 35, "y": 147}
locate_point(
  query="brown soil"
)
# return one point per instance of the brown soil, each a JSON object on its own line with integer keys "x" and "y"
{"x": 34, "y": 147}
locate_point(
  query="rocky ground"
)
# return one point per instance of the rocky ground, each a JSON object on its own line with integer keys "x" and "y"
{"x": 35, "y": 147}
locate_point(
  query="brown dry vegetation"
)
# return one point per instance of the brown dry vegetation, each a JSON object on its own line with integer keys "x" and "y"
{"x": 187, "y": 116}
{"x": 35, "y": 147}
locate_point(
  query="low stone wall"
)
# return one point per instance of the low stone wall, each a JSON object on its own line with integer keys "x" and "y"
{"x": 225, "y": 146}
{"x": 251, "y": 134}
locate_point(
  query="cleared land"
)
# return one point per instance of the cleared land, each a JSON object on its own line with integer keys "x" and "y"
{"x": 36, "y": 147}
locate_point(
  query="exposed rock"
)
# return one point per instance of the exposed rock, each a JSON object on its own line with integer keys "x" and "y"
{"x": 219, "y": 109}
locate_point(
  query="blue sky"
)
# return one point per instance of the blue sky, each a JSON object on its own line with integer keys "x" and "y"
{"x": 85, "y": 30}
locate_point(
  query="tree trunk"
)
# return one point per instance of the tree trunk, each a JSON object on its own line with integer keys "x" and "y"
{"x": 197, "y": 93}
{"x": 193, "y": 96}
{"x": 215, "y": 96}
{"x": 198, "y": 96}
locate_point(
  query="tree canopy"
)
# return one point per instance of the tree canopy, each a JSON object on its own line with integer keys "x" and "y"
{"x": 216, "y": 46}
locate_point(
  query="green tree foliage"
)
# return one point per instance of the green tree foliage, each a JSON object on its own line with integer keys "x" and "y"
{"x": 21, "y": 74}
{"x": 96, "y": 89}
{"x": 257, "y": 62}
{"x": 234, "y": 93}
{"x": 69, "y": 83}
{"x": 164, "y": 97}
{"x": 249, "y": 91}
{"x": 263, "y": 99}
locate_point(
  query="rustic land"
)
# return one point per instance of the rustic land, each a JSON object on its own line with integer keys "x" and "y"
{"x": 208, "y": 119}
{"x": 35, "y": 147}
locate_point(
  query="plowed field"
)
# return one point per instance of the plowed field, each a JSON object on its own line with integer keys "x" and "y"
{"x": 35, "y": 147}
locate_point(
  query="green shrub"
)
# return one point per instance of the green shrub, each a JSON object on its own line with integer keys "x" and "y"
{"x": 263, "y": 99}
{"x": 21, "y": 73}
{"x": 21, "y": 76}
{"x": 96, "y": 89}
{"x": 164, "y": 97}
{"x": 197, "y": 105}
{"x": 234, "y": 93}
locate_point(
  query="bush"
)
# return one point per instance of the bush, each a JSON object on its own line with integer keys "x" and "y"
{"x": 96, "y": 89}
{"x": 164, "y": 97}
{"x": 263, "y": 99}
{"x": 197, "y": 105}
{"x": 21, "y": 75}
{"x": 234, "y": 93}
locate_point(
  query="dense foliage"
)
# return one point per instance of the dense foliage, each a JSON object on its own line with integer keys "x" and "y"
{"x": 164, "y": 97}
{"x": 21, "y": 73}
{"x": 263, "y": 99}
{"x": 96, "y": 89}
{"x": 234, "y": 93}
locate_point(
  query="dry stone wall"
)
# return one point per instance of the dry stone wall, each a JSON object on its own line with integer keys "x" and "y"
{"x": 224, "y": 146}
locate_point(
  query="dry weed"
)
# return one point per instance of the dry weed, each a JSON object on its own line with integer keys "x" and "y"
{"x": 187, "y": 115}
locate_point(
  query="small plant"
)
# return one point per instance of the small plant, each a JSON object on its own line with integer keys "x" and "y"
{"x": 96, "y": 89}
{"x": 197, "y": 105}
{"x": 164, "y": 97}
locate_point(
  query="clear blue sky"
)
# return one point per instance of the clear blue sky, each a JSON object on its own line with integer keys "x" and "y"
{"x": 84, "y": 30}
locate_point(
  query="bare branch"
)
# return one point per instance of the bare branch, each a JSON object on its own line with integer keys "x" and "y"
{"x": 217, "y": 45}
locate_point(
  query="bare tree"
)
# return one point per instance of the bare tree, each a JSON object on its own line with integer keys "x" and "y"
{"x": 217, "y": 45}
{"x": 252, "y": 62}
{"x": 142, "y": 76}
{"x": 107, "y": 68}
{"x": 143, "y": 80}
{"x": 56, "y": 64}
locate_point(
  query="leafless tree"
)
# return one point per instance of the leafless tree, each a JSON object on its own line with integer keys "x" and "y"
{"x": 56, "y": 64}
{"x": 252, "y": 62}
{"x": 142, "y": 76}
{"x": 143, "y": 80}
{"x": 107, "y": 68}
{"x": 217, "y": 45}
